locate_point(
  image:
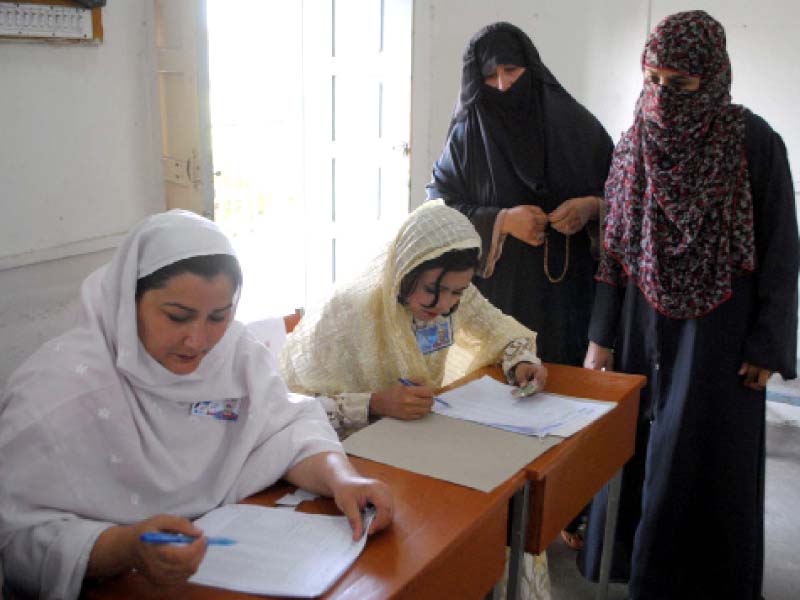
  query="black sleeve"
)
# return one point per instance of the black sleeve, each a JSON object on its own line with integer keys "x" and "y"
{"x": 450, "y": 184}
{"x": 772, "y": 338}
{"x": 605, "y": 313}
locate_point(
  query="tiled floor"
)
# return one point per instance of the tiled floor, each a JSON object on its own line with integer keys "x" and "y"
{"x": 782, "y": 565}
{"x": 781, "y": 391}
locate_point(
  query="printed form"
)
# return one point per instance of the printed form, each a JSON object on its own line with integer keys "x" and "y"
{"x": 278, "y": 552}
{"x": 489, "y": 402}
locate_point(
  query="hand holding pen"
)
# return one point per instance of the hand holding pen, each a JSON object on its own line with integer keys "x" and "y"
{"x": 409, "y": 383}
{"x": 167, "y": 563}
{"x": 408, "y": 401}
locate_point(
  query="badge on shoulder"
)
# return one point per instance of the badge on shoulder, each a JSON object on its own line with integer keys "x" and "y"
{"x": 434, "y": 337}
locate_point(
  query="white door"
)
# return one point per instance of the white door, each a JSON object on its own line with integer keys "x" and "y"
{"x": 182, "y": 62}
{"x": 310, "y": 105}
{"x": 357, "y": 81}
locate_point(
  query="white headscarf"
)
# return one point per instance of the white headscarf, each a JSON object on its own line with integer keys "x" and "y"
{"x": 362, "y": 339}
{"x": 94, "y": 431}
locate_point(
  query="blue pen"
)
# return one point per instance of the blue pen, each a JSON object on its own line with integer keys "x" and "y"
{"x": 160, "y": 537}
{"x": 409, "y": 383}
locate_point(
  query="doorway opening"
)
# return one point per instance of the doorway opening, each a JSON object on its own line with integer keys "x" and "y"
{"x": 310, "y": 116}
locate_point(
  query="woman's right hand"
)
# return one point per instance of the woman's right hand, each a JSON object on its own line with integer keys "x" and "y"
{"x": 168, "y": 564}
{"x": 526, "y": 222}
{"x": 402, "y": 401}
{"x": 571, "y": 216}
{"x": 599, "y": 358}
{"x": 118, "y": 549}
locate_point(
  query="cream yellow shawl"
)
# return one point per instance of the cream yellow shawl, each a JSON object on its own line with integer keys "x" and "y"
{"x": 362, "y": 339}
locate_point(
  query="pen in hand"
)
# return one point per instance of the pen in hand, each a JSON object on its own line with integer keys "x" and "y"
{"x": 161, "y": 537}
{"x": 409, "y": 383}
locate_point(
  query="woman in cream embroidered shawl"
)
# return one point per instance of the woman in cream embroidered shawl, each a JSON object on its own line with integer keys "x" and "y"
{"x": 413, "y": 314}
{"x": 108, "y": 431}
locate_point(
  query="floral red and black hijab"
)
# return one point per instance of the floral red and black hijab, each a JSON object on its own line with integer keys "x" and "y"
{"x": 680, "y": 220}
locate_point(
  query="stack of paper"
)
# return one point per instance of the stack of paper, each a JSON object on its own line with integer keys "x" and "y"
{"x": 277, "y": 552}
{"x": 489, "y": 402}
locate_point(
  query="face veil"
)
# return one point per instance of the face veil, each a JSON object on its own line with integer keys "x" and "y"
{"x": 680, "y": 220}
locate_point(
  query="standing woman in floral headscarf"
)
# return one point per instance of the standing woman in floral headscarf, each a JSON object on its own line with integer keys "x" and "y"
{"x": 697, "y": 291}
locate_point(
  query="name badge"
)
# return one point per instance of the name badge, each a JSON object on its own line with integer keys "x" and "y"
{"x": 435, "y": 337}
{"x": 224, "y": 410}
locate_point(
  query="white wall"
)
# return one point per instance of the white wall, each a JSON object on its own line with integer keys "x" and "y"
{"x": 79, "y": 165}
{"x": 39, "y": 302}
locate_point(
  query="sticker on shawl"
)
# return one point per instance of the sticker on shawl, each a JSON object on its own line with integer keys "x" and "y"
{"x": 435, "y": 337}
{"x": 225, "y": 410}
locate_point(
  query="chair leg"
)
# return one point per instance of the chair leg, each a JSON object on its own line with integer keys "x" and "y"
{"x": 614, "y": 490}
{"x": 519, "y": 528}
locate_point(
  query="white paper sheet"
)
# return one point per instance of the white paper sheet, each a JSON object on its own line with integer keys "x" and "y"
{"x": 278, "y": 552}
{"x": 489, "y": 402}
{"x": 295, "y": 498}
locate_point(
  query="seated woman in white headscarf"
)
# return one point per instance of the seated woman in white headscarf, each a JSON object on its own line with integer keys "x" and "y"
{"x": 155, "y": 409}
{"x": 413, "y": 315}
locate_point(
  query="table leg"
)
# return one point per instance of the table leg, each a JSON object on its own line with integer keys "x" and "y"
{"x": 614, "y": 488}
{"x": 519, "y": 530}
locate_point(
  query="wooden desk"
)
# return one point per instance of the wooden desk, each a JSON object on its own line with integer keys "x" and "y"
{"x": 446, "y": 541}
{"x": 566, "y": 477}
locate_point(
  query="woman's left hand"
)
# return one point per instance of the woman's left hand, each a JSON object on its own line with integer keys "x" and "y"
{"x": 572, "y": 215}
{"x": 754, "y": 377}
{"x": 332, "y": 474}
{"x": 352, "y": 494}
{"x": 525, "y": 371}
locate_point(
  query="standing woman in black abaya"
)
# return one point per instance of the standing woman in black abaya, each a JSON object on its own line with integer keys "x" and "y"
{"x": 527, "y": 164}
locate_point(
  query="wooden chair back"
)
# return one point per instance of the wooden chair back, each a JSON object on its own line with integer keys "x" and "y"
{"x": 293, "y": 319}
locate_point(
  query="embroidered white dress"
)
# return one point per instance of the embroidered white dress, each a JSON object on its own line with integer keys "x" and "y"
{"x": 94, "y": 432}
